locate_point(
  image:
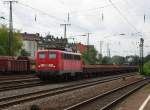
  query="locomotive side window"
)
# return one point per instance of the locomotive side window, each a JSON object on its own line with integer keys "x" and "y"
{"x": 52, "y": 55}
{"x": 71, "y": 56}
{"x": 77, "y": 57}
{"x": 65, "y": 56}
{"x": 42, "y": 55}
{"x": 62, "y": 56}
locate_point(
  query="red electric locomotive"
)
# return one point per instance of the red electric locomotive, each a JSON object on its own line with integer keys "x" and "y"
{"x": 56, "y": 63}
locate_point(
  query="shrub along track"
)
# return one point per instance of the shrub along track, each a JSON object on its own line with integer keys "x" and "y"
{"x": 16, "y": 99}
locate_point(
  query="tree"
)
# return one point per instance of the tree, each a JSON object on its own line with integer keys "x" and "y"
{"x": 17, "y": 42}
{"x": 147, "y": 58}
{"x": 147, "y": 68}
{"x": 106, "y": 60}
{"x": 132, "y": 60}
{"x": 24, "y": 53}
{"x": 100, "y": 57}
{"x": 89, "y": 57}
{"x": 118, "y": 60}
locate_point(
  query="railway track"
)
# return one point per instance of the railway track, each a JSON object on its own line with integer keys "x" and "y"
{"x": 16, "y": 99}
{"x": 15, "y": 77}
{"x": 18, "y": 84}
{"x": 107, "y": 100}
{"x": 25, "y": 83}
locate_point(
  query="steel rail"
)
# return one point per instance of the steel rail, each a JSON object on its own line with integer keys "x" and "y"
{"x": 14, "y": 77}
{"x": 19, "y": 84}
{"x": 108, "y": 106}
{"x": 11, "y": 100}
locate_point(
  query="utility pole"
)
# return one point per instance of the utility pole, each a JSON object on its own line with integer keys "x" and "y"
{"x": 108, "y": 50}
{"x": 101, "y": 46}
{"x": 141, "y": 55}
{"x": 10, "y": 38}
{"x": 88, "y": 42}
{"x": 65, "y": 26}
{"x": 65, "y": 29}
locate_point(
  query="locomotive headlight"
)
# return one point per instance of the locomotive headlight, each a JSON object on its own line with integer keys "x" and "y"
{"x": 51, "y": 65}
{"x": 42, "y": 65}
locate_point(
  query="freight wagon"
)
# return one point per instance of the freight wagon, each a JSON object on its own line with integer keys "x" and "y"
{"x": 108, "y": 69}
{"x": 14, "y": 65}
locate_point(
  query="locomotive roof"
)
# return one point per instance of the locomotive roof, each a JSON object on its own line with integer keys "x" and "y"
{"x": 61, "y": 51}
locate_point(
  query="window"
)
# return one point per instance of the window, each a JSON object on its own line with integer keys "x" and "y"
{"x": 78, "y": 57}
{"x": 42, "y": 55}
{"x": 52, "y": 55}
{"x": 62, "y": 56}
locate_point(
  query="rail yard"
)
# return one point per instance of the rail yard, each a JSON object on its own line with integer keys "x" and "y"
{"x": 99, "y": 61}
{"x": 66, "y": 95}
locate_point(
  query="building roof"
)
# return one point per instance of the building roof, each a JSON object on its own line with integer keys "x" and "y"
{"x": 30, "y": 37}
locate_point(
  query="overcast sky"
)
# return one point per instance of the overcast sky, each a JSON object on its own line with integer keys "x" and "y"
{"x": 104, "y": 19}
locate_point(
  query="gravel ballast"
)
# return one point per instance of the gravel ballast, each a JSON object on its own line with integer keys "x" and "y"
{"x": 64, "y": 100}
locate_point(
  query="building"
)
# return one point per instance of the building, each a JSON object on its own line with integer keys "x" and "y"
{"x": 34, "y": 42}
{"x": 51, "y": 42}
{"x": 81, "y": 47}
{"x": 30, "y": 43}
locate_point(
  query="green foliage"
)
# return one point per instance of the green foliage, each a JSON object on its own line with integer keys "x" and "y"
{"x": 17, "y": 42}
{"x": 106, "y": 60}
{"x": 132, "y": 59}
{"x": 24, "y": 53}
{"x": 90, "y": 57}
{"x": 147, "y": 58}
{"x": 100, "y": 57}
{"x": 118, "y": 60}
{"x": 147, "y": 68}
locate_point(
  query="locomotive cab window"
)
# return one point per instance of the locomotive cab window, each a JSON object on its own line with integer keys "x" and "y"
{"x": 52, "y": 55}
{"x": 42, "y": 55}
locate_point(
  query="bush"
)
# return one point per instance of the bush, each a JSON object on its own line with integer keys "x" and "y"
{"x": 16, "y": 41}
{"x": 147, "y": 68}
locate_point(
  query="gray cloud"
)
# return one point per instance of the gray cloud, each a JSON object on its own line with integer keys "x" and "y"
{"x": 85, "y": 16}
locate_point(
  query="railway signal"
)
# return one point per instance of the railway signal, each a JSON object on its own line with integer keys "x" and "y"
{"x": 141, "y": 55}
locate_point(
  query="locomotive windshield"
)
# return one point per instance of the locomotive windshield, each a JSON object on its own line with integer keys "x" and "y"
{"x": 52, "y": 55}
{"x": 42, "y": 55}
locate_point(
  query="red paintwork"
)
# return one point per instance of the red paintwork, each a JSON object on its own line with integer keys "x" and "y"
{"x": 58, "y": 64}
{"x": 10, "y": 64}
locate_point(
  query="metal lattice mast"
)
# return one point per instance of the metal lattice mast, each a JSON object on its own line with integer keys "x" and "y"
{"x": 10, "y": 38}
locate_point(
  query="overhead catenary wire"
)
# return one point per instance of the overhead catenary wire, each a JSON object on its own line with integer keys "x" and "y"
{"x": 91, "y": 9}
{"x": 51, "y": 16}
{"x": 62, "y": 20}
{"x": 122, "y": 15}
{"x": 42, "y": 12}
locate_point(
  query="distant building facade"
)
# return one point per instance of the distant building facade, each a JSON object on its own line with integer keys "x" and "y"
{"x": 34, "y": 42}
{"x": 82, "y": 48}
{"x": 51, "y": 42}
{"x": 30, "y": 43}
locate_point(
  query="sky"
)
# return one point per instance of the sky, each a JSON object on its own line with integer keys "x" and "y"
{"x": 119, "y": 24}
